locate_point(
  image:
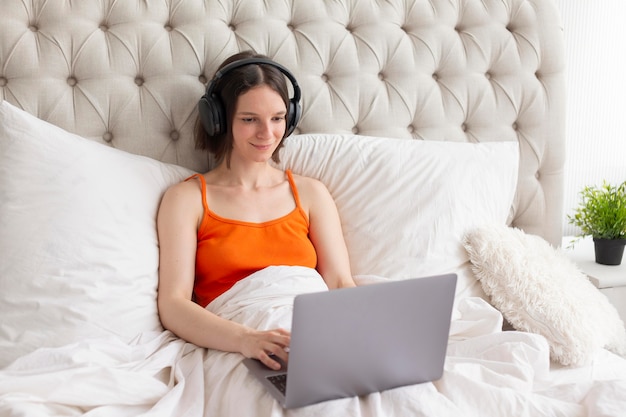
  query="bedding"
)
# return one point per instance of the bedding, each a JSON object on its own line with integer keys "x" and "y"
{"x": 160, "y": 375}
{"x": 423, "y": 201}
{"x": 540, "y": 290}
{"x": 79, "y": 249}
{"x": 99, "y": 373}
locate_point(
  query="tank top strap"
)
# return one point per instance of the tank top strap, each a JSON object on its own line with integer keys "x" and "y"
{"x": 202, "y": 189}
{"x": 294, "y": 189}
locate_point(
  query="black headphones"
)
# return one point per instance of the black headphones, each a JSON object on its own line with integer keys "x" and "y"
{"x": 212, "y": 110}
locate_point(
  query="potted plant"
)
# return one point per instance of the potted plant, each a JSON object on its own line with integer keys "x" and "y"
{"x": 602, "y": 215}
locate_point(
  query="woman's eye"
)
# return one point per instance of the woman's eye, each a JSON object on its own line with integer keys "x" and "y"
{"x": 254, "y": 119}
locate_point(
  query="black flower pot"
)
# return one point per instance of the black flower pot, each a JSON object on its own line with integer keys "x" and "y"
{"x": 609, "y": 251}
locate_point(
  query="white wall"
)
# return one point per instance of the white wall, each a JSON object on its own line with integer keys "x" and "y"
{"x": 595, "y": 42}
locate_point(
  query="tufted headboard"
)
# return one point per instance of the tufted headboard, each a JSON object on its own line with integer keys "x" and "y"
{"x": 129, "y": 73}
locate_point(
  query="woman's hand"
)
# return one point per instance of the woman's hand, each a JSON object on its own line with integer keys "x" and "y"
{"x": 262, "y": 345}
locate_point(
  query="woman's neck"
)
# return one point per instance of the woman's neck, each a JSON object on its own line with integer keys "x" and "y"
{"x": 250, "y": 176}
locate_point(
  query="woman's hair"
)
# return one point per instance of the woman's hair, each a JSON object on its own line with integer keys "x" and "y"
{"x": 228, "y": 88}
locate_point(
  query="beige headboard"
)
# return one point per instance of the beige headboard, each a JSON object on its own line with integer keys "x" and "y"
{"x": 129, "y": 73}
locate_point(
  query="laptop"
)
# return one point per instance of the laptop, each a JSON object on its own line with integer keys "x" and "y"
{"x": 355, "y": 341}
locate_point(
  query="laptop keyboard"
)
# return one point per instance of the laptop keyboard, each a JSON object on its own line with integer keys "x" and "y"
{"x": 279, "y": 381}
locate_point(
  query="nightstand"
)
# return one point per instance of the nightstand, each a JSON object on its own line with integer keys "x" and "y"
{"x": 611, "y": 280}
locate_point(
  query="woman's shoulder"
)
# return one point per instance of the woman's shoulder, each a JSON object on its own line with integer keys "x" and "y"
{"x": 186, "y": 186}
{"x": 183, "y": 192}
{"x": 309, "y": 184}
{"x": 313, "y": 192}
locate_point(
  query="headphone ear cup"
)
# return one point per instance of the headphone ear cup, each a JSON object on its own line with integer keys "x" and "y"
{"x": 212, "y": 115}
{"x": 295, "y": 112}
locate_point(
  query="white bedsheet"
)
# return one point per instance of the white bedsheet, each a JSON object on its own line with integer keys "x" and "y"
{"x": 487, "y": 373}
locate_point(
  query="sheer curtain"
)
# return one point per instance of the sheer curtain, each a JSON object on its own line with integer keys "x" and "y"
{"x": 595, "y": 37}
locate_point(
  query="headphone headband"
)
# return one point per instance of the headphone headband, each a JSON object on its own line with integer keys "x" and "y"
{"x": 212, "y": 111}
{"x": 252, "y": 61}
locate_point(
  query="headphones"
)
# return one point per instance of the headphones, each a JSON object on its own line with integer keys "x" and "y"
{"x": 212, "y": 110}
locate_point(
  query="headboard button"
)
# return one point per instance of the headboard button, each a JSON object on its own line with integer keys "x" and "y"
{"x": 3, "y": 82}
{"x": 72, "y": 81}
{"x": 139, "y": 80}
{"x": 174, "y": 135}
{"x": 107, "y": 137}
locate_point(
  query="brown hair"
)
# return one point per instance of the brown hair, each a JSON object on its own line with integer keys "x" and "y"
{"x": 228, "y": 88}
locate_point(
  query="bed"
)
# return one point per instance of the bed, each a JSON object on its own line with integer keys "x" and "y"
{"x": 438, "y": 126}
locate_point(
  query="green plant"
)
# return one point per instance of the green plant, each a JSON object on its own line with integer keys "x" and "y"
{"x": 601, "y": 212}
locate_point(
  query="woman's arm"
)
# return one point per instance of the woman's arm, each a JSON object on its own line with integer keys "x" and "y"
{"x": 326, "y": 233}
{"x": 177, "y": 222}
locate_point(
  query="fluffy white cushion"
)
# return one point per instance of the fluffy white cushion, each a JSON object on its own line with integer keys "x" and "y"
{"x": 405, "y": 204}
{"x": 78, "y": 242}
{"x": 539, "y": 290}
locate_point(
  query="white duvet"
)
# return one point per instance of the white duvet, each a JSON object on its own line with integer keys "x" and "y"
{"x": 487, "y": 373}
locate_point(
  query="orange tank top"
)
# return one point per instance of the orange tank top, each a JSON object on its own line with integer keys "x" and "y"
{"x": 229, "y": 250}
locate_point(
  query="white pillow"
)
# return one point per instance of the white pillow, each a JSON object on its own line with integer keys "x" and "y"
{"x": 539, "y": 290}
{"x": 405, "y": 204}
{"x": 78, "y": 243}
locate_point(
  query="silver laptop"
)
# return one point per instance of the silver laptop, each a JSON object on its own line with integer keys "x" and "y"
{"x": 355, "y": 341}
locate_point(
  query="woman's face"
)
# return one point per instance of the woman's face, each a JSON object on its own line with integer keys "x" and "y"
{"x": 259, "y": 124}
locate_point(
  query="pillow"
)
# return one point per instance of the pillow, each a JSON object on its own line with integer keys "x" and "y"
{"x": 405, "y": 204}
{"x": 77, "y": 237}
{"x": 539, "y": 290}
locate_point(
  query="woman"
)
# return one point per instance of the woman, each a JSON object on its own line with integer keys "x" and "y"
{"x": 218, "y": 227}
